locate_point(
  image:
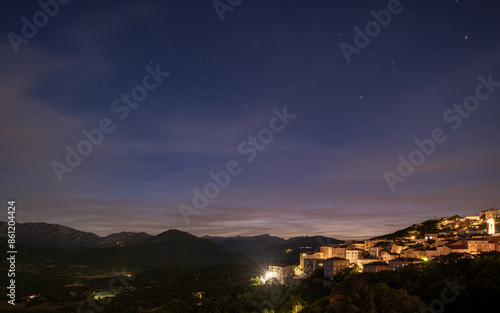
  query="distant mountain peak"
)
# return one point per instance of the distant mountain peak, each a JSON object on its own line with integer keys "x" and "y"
{"x": 44, "y": 234}
{"x": 171, "y": 235}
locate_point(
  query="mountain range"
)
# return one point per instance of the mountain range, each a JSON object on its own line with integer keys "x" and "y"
{"x": 249, "y": 244}
{"x": 139, "y": 250}
{"x": 54, "y": 235}
{"x": 266, "y": 247}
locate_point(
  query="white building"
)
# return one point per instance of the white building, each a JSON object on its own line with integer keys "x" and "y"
{"x": 363, "y": 261}
{"x": 281, "y": 273}
{"x": 354, "y": 254}
{"x": 309, "y": 255}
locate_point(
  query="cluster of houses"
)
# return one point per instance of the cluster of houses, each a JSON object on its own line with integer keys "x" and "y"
{"x": 472, "y": 234}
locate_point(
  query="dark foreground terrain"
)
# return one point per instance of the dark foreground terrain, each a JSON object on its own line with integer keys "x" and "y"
{"x": 454, "y": 283}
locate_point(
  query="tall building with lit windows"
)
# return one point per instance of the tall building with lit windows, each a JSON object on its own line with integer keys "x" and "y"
{"x": 491, "y": 226}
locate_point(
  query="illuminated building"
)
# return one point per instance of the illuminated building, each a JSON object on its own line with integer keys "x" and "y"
{"x": 491, "y": 213}
{"x": 387, "y": 256}
{"x": 431, "y": 236}
{"x": 310, "y": 265}
{"x": 375, "y": 251}
{"x": 472, "y": 217}
{"x": 452, "y": 248}
{"x": 354, "y": 254}
{"x": 397, "y": 248}
{"x": 309, "y": 255}
{"x": 480, "y": 245}
{"x": 491, "y": 226}
{"x": 331, "y": 251}
{"x": 372, "y": 242}
{"x": 281, "y": 273}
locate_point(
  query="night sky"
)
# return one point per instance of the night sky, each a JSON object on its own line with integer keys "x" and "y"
{"x": 308, "y": 118}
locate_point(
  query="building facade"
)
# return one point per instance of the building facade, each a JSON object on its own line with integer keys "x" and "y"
{"x": 353, "y": 255}
{"x": 363, "y": 261}
{"x": 452, "y": 248}
{"x": 310, "y": 265}
{"x": 479, "y": 245}
{"x": 334, "y": 266}
{"x": 281, "y": 273}
{"x": 332, "y": 251}
{"x": 375, "y": 251}
{"x": 402, "y": 262}
{"x": 309, "y": 255}
{"x": 387, "y": 256}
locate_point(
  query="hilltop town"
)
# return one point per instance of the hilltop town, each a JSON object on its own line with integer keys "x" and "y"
{"x": 472, "y": 234}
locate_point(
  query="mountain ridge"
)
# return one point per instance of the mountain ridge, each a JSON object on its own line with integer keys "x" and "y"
{"x": 43, "y": 234}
